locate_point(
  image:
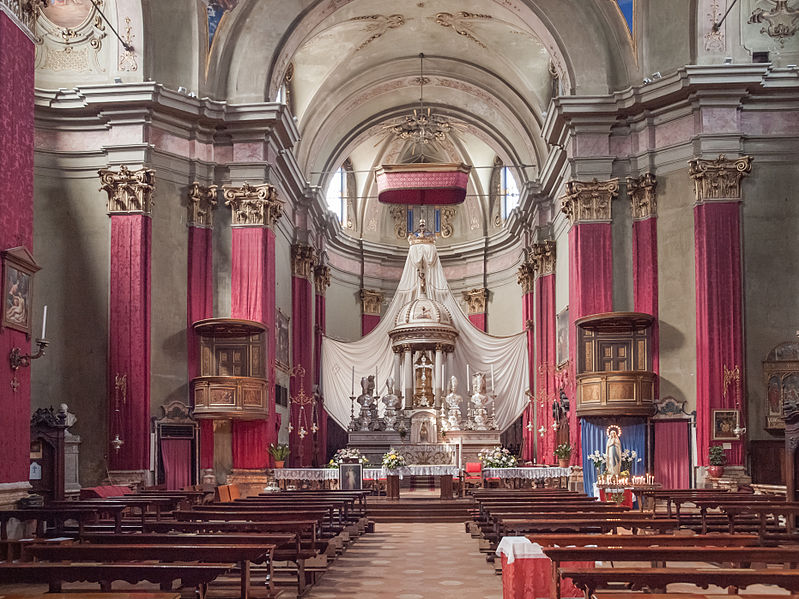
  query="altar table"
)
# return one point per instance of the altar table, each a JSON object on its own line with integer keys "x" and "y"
{"x": 527, "y": 571}
{"x": 526, "y": 473}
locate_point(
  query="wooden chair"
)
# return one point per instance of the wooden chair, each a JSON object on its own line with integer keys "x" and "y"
{"x": 473, "y": 475}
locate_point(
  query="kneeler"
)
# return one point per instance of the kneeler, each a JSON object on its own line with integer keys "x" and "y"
{"x": 612, "y": 496}
{"x": 527, "y": 571}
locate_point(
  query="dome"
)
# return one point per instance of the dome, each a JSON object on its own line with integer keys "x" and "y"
{"x": 423, "y": 321}
{"x": 423, "y": 311}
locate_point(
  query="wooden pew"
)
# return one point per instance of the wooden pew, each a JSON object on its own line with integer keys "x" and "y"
{"x": 59, "y": 515}
{"x": 93, "y": 595}
{"x": 581, "y": 540}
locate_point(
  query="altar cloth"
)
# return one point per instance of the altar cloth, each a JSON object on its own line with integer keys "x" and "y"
{"x": 535, "y": 473}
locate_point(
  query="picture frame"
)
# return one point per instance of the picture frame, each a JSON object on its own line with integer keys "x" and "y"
{"x": 350, "y": 477}
{"x": 282, "y": 359}
{"x": 19, "y": 267}
{"x": 562, "y": 336}
{"x": 724, "y": 423}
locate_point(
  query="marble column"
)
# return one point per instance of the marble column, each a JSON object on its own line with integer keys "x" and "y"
{"x": 720, "y": 367}
{"x": 371, "y": 304}
{"x": 303, "y": 259}
{"x": 476, "y": 301}
{"x": 396, "y": 371}
{"x": 407, "y": 363}
{"x": 587, "y": 205}
{"x": 439, "y": 362}
{"x": 255, "y": 211}
{"x": 321, "y": 283}
{"x": 526, "y": 278}
{"x": 130, "y": 203}
{"x": 546, "y": 391}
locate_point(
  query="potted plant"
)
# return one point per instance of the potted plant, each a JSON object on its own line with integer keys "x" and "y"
{"x": 279, "y": 453}
{"x": 717, "y": 459}
{"x": 564, "y": 453}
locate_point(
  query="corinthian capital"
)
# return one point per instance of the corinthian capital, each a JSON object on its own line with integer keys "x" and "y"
{"x": 642, "y": 196}
{"x": 371, "y": 301}
{"x": 526, "y": 277}
{"x": 586, "y": 202}
{"x": 321, "y": 278}
{"x": 253, "y": 205}
{"x": 719, "y": 180}
{"x": 476, "y": 300}
{"x": 201, "y": 205}
{"x": 544, "y": 257}
{"x": 128, "y": 191}
{"x": 303, "y": 258}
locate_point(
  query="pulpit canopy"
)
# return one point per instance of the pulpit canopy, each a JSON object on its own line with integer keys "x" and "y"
{"x": 420, "y": 184}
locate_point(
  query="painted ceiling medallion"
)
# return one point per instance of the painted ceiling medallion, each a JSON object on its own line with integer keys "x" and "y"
{"x": 783, "y": 20}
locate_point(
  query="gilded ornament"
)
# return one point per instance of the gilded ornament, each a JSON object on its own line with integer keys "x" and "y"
{"x": 303, "y": 258}
{"x": 201, "y": 205}
{"x": 719, "y": 180}
{"x": 526, "y": 277}
{"x": 544, "y": 257}
{"x": 589, "y": 201}
{"x": 447, "y": 214}
{"x": 371, "y": 301}
{"x": 476, "y": 300}
{"x": 128, "y": 191}
{"x": 642, "y": 196}
{"x": 253, "y": 205}
{"x": 321, "y": 278}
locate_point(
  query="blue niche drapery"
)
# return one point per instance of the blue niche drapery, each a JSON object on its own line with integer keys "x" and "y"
{"x": 594, "y": 437}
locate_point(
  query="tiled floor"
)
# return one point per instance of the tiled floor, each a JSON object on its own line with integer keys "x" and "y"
{"x": 411, "y": 561}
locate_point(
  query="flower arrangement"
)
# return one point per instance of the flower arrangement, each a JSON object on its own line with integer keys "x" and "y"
{"x": 563, "y": 451}
{"x": 628, "y": 458}
{"x": 716, "y": 455}
{"x": 598, "y": 460}
{"x": 346, "y": 455}
{"x": 279, "y": 452}
{"x": 498, "y": 457}
{"x": 393, "y": 460}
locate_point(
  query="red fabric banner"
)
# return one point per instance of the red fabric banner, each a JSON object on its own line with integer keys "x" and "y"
{"x": 529, "y": 432}
{"x": 645, "y": 279}
{"x": 176, "y": 458}
{"x": 302, "y": 449}
{"x": 719, "y": 320}
{"x": 16, "y": 229}
{"x": 672, "y": 462}
{"x": 546, "y": 361}
{"x": 249, "y": 443}
{"x": 435, "y": 188}
{"x": 479, "y": 321}
{"x": 200, "y": 300}
{"x": 129, "y": 341}
{"x": 319, "y": 330}
{"x": 368, "y": 323}
{"x": 590, "y": 292}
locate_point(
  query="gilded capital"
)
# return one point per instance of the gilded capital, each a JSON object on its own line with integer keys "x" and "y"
{"x": 719, "y": 180}
{"x": 476, "y": 300}
{"x": 371, "y": 301}
{"x": 586, "y": 202}
{"x": 303, "y": 259}
{"x": 253, "y": 205}
{"x": 526, "y": 277}
{"x": 128, "y": 191}
{"x": 321, "y": 278}
{"x": 544, "y": 257}
{"x": 643, "y": 196}
{"x": 201, "y": 205}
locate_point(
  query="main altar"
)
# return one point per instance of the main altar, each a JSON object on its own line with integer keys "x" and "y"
{"x": 411, "y": 399}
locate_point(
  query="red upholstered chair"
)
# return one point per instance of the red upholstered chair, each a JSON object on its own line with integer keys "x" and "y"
{"x": 473, "y": 475}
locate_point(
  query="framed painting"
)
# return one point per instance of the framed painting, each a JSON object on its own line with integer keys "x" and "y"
{"x": 350, "y": 477}
{"x": 563, "y": 336}
{"x": 282, "y": 350}
{"x": 18, "y": 270}
{"x": 68, "y": 14}
{"x": 724, "y": 424}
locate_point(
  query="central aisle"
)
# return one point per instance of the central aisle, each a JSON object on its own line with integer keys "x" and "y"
{"x": 411, "y": 561}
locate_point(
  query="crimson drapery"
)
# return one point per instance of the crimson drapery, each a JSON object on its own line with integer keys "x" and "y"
{"x": 319, "y": 330}
{"x": 590, "y": 292}
{"x": 302, "y": 348}
{"x": 129, "y": 341}
{"x": 672, "y": 462}
{"x": 422, "y": 187}
{"x": 368, "y": 323}
{"x": 719, "y": 320}
{"x": 253, "y": 298}
{"x": 479, "y": 320}
{"x": 206, "y": 444}
{"x": 200, "y": 301}
{"x": 16, "y": 229}
{"x": 645, "y": 279}
{"x": 546, "y": 360}
{"x": 529, "y": 433}
{"x": 176, "y": 458}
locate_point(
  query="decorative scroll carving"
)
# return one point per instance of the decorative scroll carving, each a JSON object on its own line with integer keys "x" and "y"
{"x": 476, "y": 300}
{"x": 321, "y": 278}
{"x": 544, "y": 257}
{"x": 377, "y": 26}
{"x": 400, "y": 218}
{"x": 783, "y": 21}
{"x": 461, "y": 23}
{"x": 128, "y": 191}
{"x": 447, "y": 214}
{"x": 127, "y": 58}
{"x": 719, "y": 180}
{"x": 253, "y": 204}
{"x": 303, "y": 258}
{"x": 201, "y": 205}
{"x": 371, "y": 301}
{"x": 526, "y": 277}
{"x": 589, "y": 201}
{"x": 642, "y": 196}
{"x": 670, "y": 408}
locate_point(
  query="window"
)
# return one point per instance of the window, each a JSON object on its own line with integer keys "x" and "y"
{"x": 336, "y": 194}
{"x": 509, "y": 191}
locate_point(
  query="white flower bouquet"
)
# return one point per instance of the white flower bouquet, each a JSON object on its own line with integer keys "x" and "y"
{"x": 598, "y": 460}
{"x": 346, "y": 455}
{"x": 497, "y": 457}
{"x": 628, "y": 458}
{"x": 393, "y": 460}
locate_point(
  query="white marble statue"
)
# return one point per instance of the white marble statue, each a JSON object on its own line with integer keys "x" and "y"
{"x": 479, "y": 401}
{"x": 453, "y": 401}
{"x": 392, "y": 403}
{"x": 613, "y": 453}
{"x": 367, "y": 417}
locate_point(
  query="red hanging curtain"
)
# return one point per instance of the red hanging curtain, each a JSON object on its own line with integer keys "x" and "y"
{"x": 176, "y": 458}
{"x": 672, "y": 462}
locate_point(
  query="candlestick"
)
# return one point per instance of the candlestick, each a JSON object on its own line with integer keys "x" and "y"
{"x": 44, "y": 323}
{"x": 352, "y": 388}
{"x": 492, "y": 378}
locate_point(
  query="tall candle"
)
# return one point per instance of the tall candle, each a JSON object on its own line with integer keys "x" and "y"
{"x": 492, "y": 378}
{"x": 44, "y": 322}
{"x": 352, "y": 390}
{"x": 468, "y": 379}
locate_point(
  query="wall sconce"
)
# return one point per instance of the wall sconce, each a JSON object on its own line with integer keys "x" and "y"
{"x": 17, "y": 360}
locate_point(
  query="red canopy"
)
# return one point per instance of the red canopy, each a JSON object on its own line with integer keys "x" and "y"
{"x": 430, "y": 184}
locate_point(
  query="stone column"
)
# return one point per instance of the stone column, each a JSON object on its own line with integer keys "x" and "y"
{"x": 407, "y": 362}
{"x": 526, "y": 278}
{"x": 303, "y": 259}
{"x": 438, "y": 364}
{"x": 255, "y": 211}
{"x": 202, "y": 202}
{"x": 477, "y": 300}
{"x": 396, "y": 372}
{"x": 130, "y": 204}
{"x": 546, "y": 390}
{"x": 587, "y": 205}
{"x": 371, "y": 304}
{"x": 720, "y": 374}
{"x": 321, "y": 283}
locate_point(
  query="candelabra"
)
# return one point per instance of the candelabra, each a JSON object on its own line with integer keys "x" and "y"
{"x": 18, "y": 360}
{"x": 303, "y": 400}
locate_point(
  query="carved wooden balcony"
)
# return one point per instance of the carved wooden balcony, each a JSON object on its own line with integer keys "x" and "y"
{"x": 230, "y": 397}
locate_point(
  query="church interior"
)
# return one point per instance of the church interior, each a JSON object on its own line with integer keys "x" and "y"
{"x": 349, "y": 298}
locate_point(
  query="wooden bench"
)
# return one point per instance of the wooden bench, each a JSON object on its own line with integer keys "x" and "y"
{"x": 58, "y": 516}
{"x": 581, "y": 540}
{"x": 93, "y": 595}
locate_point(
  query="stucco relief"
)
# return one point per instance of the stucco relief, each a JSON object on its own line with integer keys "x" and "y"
{"x": 715, "y": 40}
{"x": 462, "y": 23}
{"x": 71, "y": 34}
{"x": 377, "y": 26}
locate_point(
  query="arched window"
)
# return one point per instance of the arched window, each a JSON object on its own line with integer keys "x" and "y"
{"x": 337, "y": 194}
{"x": 509, "y": 191}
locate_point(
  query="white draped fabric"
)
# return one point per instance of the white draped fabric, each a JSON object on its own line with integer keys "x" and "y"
{"x": 530, "y": 473}
{"x": 480, "y": 351}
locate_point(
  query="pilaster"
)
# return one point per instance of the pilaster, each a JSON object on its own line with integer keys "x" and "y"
{"x": 477, "y": 301}
{"x": 371, "y": 307}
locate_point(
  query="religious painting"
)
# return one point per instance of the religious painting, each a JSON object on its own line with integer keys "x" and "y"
{"x": 724, "y": 424}
{"x": 282, "y": 350}
{"x": 18, "y": 269}
{"x": 350, "y": 477}
{"x": 563, "y": 336}
{"x": 68, "y": 14}
{"x": 215, "y": 10}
